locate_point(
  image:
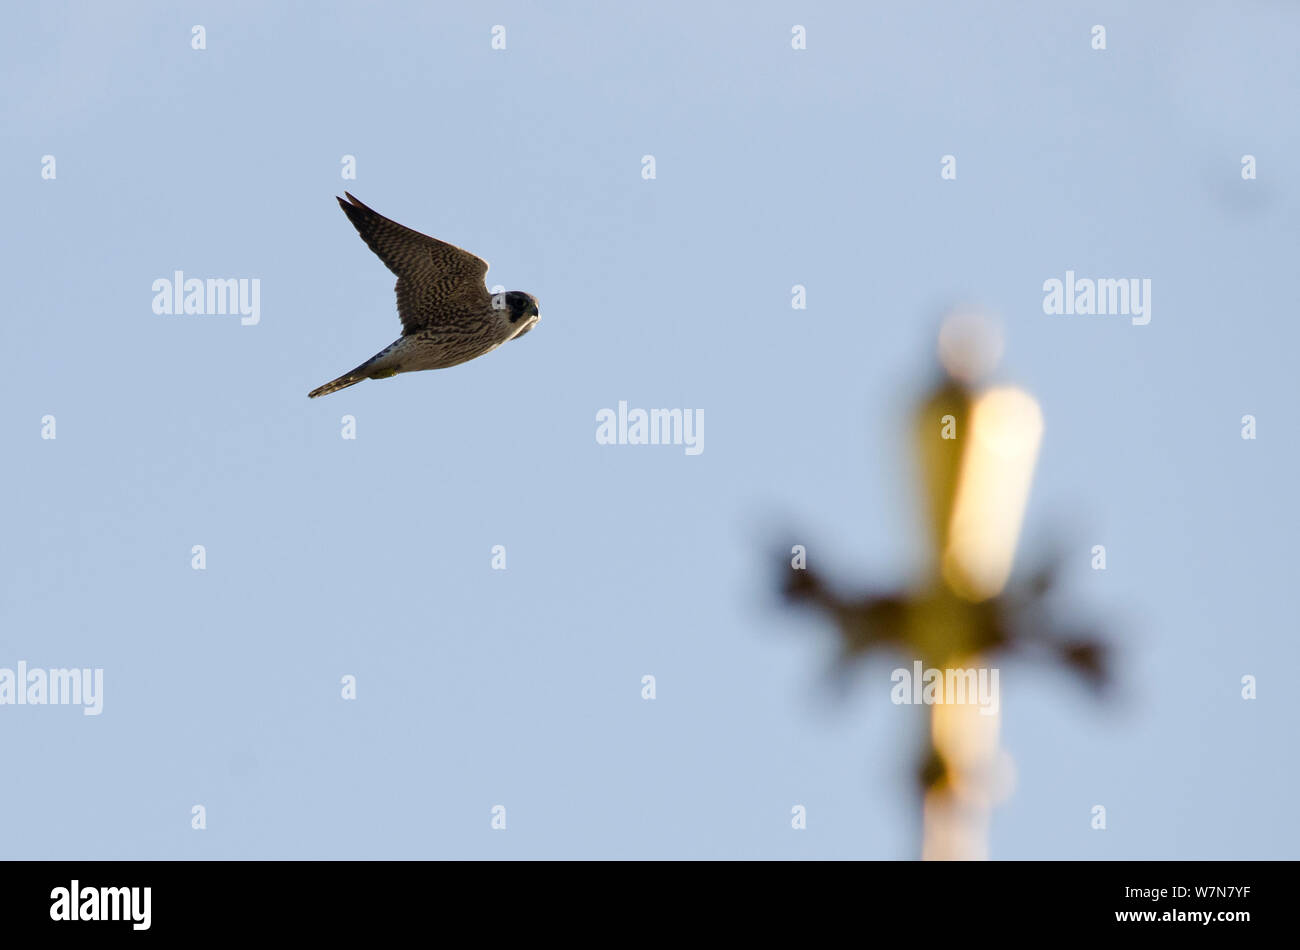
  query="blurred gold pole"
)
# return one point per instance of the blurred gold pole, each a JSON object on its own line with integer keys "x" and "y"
{"x": 984, "y": 514}
{"x": 957, "y": 811}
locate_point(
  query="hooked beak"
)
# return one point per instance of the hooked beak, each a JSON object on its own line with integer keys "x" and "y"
{"x": 527, "y": 325}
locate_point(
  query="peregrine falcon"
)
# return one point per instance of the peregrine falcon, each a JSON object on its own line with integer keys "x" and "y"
{"x": 448, "y": 314}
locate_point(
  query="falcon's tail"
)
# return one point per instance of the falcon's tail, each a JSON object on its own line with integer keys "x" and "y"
{"x": 343, "y": 382}
{"x": 374, "y": 368}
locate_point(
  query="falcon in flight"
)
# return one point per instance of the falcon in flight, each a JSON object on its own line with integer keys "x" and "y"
{"x": 448, "y": 315}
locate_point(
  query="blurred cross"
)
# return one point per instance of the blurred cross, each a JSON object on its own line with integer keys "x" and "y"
{"x": 977, "y": 452}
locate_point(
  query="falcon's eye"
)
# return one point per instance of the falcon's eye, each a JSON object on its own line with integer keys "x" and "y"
{"x": 519, "y": 306}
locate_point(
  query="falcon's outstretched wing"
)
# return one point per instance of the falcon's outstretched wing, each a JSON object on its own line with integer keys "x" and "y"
{"x": 434, "y": 278}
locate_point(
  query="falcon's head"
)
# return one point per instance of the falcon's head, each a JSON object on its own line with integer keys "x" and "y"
{"x": 521, "y": 312}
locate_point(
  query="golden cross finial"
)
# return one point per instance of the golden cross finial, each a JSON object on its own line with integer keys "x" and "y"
{"x": 977, "y": 452}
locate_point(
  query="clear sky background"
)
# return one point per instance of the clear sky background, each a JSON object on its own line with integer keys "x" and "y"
{"x": 522, "y": 687}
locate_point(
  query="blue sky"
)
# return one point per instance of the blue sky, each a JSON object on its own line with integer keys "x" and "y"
{"x": 371, "y": 557}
